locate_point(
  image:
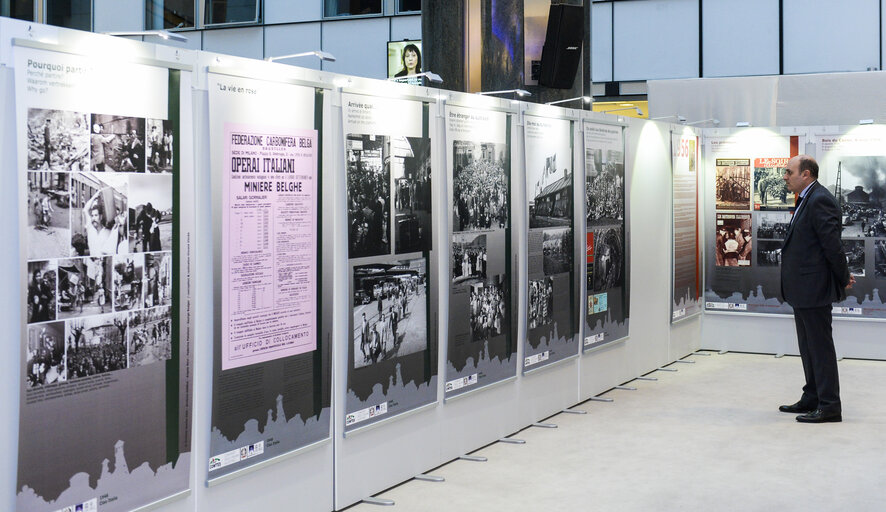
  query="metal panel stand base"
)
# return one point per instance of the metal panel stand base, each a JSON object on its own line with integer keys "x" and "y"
{"x": 646, "y": 378}
{"x": 701, "y": 354}
{"x": 473, "y": 458}
{"x": 667, "y": 369}
{"x": 379, "y": 501}
{"x": 724, "y": 351}
{"x": 544, "y": 425}
{"x": 601, "y": 399}
{"x": 512, "y": 440}
{"x": 429, "y": 478}
{"x": 573, "y": 411}
{"x": 626, "y": 388}
{"x": 779, "y": 355}
{"x": 684, "y": 361}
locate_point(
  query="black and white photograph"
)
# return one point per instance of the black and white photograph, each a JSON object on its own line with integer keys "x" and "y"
{"x": 369, "y": 195}
{"x": 479, "y": 185}
{"x": 550, "y": 193}
{"x": 84, "y": 286}
{"x": 158, "y": 146}
{"x": 95, "y": 345}
{"x": 411, "y": 172}
{"x": 609, "y": 258}
{"x": 42, "y": 285}
{"x": 58, "y": 140}
{"x": 390, "y": 311}
{"x": 541, "y": 302}
{"x": 558, "y": 248}
{"x": 128, "y": 278}
{"x": 487, "y": 309}
{"x": 49, "y": 217}
{"x": 733, "y": 184}
{"x": 604, "y": 184}
{"x": 880, "y": 259}
{"x": 862, "y": 195}
{"x": 772, "y": 225}
{"x": 854, "y": 250}
{"x": 769, "y": 253}
{"x": 150, "y": 213}
{"x": 770, "y": 190}
{"x": 732, "y": 241}
{"x": 158, "y": 279}
{"x": 469, "y": 258}
{"x": 99, "y": 214}
{"x": 150, "y": 336}
{"x": 46, "y": 354}
{"x": 117, "y": 143}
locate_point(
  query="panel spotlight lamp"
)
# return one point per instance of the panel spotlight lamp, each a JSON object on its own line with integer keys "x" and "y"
{"x": 162, "y": 34}
{"x": 316, "y": 53}
{"x": 586, "y": 99}
{"x": 518, "y": 92}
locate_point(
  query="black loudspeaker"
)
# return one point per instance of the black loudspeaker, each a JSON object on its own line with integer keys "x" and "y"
{"x": 562, "y": 49}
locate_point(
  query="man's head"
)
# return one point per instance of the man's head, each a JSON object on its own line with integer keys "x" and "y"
{"x": 95, "y": 215}
{"x": 800, "y": 172}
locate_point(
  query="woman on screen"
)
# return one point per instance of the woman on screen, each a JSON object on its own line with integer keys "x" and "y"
{"x": 411, "y": 61}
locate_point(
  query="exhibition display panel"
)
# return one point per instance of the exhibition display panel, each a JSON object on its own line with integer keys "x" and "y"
{"x": 104, "y": 229}
{"x": 271, "y": 386}
{"x": 748, "y": 211}
{"x": 551, "y": 315}
{"x": 853, "y": 167}
{"x": 686, "y": 277}
{"x": 606, "y": 242}
{"x": 391, "y": 342}
{"x": 480, "y": 351}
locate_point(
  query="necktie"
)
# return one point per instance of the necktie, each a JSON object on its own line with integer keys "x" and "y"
{"x": 796, "y": 208}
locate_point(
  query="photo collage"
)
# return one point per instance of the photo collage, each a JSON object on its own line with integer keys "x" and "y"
{"x": 98, "y": 244}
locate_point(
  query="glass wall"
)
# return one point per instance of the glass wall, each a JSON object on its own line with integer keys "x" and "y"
{"x": 352, "y": 7}
{"x": 163, "y": 14}
{"x": 69, "y": 13}
{"x": 220, "y": 12}
{"x": 18, "y": 9}
{"x": 408, "y": 5}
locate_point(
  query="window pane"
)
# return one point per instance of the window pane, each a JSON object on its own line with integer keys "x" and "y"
{"x": 162, "y": 14}
{"x": 18, "y": 9}
{"x": 231, "y": 11}
{"x": 69, "y": 13}
{"x": 409, "y": 5}
{"x": 352, "y": 7}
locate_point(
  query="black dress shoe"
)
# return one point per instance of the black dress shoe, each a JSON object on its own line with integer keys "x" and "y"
{"x": 797, "y": 408}
{"x": 819, "y": 416}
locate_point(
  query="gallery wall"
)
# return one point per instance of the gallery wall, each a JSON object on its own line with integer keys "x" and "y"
{"x": 347, "y": 466}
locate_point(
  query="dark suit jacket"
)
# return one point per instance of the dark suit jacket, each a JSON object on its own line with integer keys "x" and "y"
{"x": 814, "y": 272}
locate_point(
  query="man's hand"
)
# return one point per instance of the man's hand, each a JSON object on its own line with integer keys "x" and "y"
{"x": 851, "y": 281}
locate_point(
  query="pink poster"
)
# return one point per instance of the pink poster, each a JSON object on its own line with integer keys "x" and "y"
{"x": 269, "y": 245}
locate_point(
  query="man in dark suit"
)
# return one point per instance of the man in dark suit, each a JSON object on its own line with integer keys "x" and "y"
{"x": 814, "y": 275}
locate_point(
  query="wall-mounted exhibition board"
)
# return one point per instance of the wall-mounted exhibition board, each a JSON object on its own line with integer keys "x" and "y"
{"x": 551, "y": 316}
{"x": 271, "y": 366}
{"x": 482, "y": 290}
{"x": 106, "y": 220}
{"x": 751, "y": 208}
{"x": 392, "y": 340}
{"x": 606, "y": 237}
{"x": 686, "y": 279}
{"x": 852, "y": 165}
{"x": 747, "y": 211}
